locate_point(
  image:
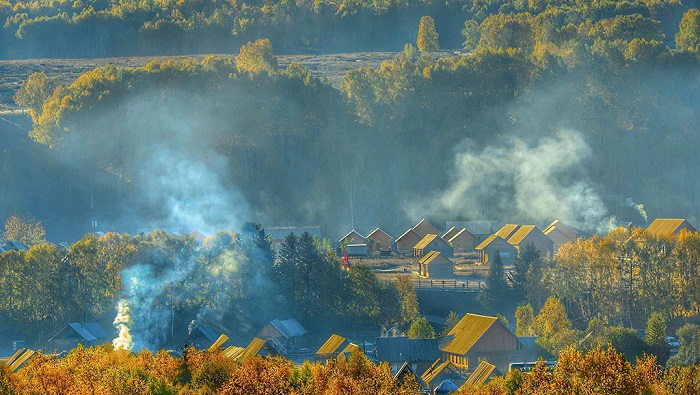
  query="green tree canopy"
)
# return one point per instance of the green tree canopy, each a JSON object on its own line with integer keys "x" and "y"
{"x": 421, "y": 329}
{"x": 34, "y": 92}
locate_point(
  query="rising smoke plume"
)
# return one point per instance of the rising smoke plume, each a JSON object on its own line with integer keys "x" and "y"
{"x": 638, "y": 207}
{"x": 517, "y": 181}
{"x": 123, "y": 341}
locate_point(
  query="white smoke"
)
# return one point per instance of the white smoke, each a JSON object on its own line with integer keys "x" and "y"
{"x": 122, "y": 322}
{"x": 517, "y": 181}
{"x": 638, "y": 207}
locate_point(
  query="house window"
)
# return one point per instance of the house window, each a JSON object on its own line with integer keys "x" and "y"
{"x": 519, "y": 346}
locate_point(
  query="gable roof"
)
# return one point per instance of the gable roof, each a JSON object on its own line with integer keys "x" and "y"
{"x": 521, "y": 233}
{"x": 233, "y": 352}
{"x": 198, "y": 235}
{"x": 202, "y": 331}
{"x": 378, "y": 231}
{"x": 331, "y": 345}
{"x": 254, "y": 347}
{"x": 89, "y": 332}
{"x": 427, "y": 239}
{"x": 507, "y": 230}
{"x": 432, "y": 256}
{"x": 15, "y": 245}
{"x": 424, "y": 227}
{"x": 434, "y": 370}
{"x": 406, "y": 369}
{"x": 356, "y": 236}
{"x": 289, "y": 328}
{"x": 560, "y": 226}
{"x": 466, "y": 333}
{"x": 476, "y": 227}
{"x": 463, "y": 232}
{"x": 488, "y": 241}
{"x": 451, "y": 232}
{"x": 402, "y": 348}
{"x": 480, "y": 374}
{"x": 668, "y": 226}
{"x": 407, "y": 234}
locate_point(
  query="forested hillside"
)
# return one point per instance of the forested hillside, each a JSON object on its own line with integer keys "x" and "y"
{"x": 98, "y": 28}
{"x": 569, "y": 113}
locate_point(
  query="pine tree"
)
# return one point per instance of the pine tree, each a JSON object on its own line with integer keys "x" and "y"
{"x": 427, "y": 35}
{"x": 496, "y": 288}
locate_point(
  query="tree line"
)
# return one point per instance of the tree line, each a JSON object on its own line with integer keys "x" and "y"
{"x": 103, "y": 370}
{"x": 233, "y": 280}
{"x": 110, "y": 28}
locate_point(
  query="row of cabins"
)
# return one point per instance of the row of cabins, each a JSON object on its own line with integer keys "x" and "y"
{"x": 511, "y": 238}
{"x": 477, "y": 347}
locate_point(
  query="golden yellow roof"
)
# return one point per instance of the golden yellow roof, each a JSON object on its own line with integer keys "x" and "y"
{"x": 466, "y": 333}
{"x": 233, "y": 352}
{"x": 428, "y": 257}
{"x": 331, "y": 345}
{"x": 215, "y": 346}
{"x": 427, "y": 239}
{"x": 487, "y": 241}
{"x": 507, "y": 230}
{"x": 252, "y": 350}
{"x": 350, "y": 348}
{"x": 481, "y": 374}
{"x": 432, "y": 372}
{"x": 520, "y": 234}
{"x": 667, "y": 226}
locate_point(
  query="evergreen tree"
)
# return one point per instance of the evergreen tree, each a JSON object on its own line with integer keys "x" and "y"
{"x": 427, "y": 35}
{"x": 451, "y": 322}
{"x": 518, "y": 276}
{"x": 655, "y": 337}
{"x": 496, "y": 287}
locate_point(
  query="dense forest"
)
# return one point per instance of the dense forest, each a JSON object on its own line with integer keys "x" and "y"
{"x": 551, "y": 115}
{"x": 98, "y": 28}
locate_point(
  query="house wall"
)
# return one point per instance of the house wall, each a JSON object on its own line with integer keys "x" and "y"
{"x": 497, "y": 346}
{"x": 539, "y": 240}
{"x": 383, "y": 240}
{"x": 507, "y": 250}
{"x": 558, "y": 238}
{"x": 439, "y": 245}
{"x": 464, "y": 243}
{"x": 439, "y": 270}
{"x": 406, "y": 244}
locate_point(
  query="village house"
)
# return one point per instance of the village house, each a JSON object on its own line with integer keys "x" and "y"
{"x": 496, "y": 244}
{"x": 354, "y": 244}
{"x": 480, "y": 229}
{"x": 14, "y": 245}
{"x": 560, "y": 233}
{"x": 405, "y": 242}
{"x": 424, "y": 227}
{"x": 256, "y": 346}
{"x": 201, "y": 337}
{"x": 89, "y": 334}
{"x": 479, "y": 338}
{"x": 530, "y": 234}
{"x": 379, "y": 241}
{"x": 432, "y": 242}
{"x": 285, "y": 335}
{"x": 664, "y": 227}
{"x": 450, "y": 232}
{"x": 436, "y": 265}
{"x": 462, "y": 241}
{"x": 396, "y": 351}
{"x": 335, "y": 347}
